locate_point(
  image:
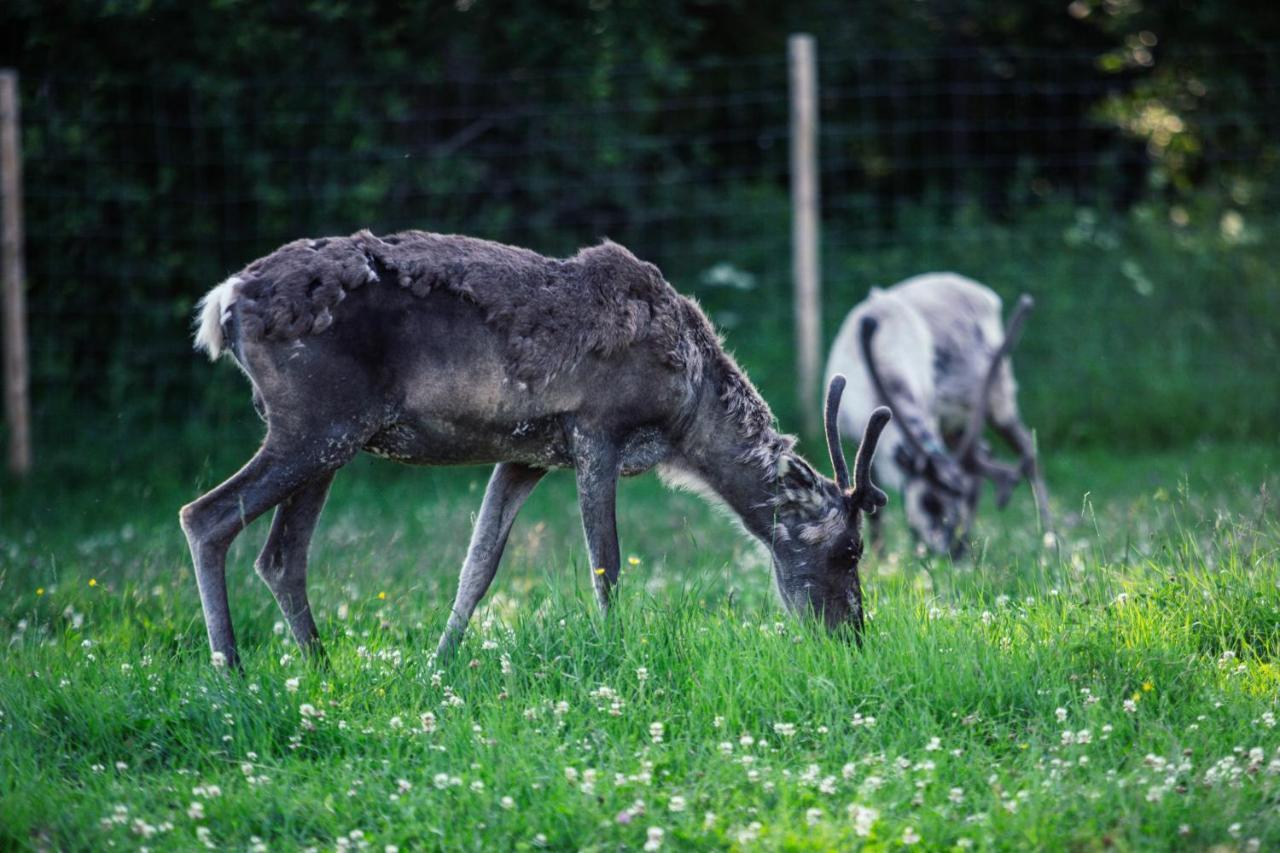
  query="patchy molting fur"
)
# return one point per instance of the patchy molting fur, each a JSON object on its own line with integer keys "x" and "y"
{"x": 552, "y": 313}
{"x": 551, "y": 327}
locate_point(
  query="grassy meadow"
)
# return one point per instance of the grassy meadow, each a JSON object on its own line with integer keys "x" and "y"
{"x": 1116, "y": 689}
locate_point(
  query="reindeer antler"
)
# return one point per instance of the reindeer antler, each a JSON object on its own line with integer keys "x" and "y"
{"x": 866, "y": 331}
{"x": 978, "y": 417}
{"x": 867, "y": 496}
{"x": 834, "y": 392}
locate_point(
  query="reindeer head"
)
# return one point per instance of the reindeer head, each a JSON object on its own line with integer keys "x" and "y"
{"x": 817, "y": 543}
{"x": 940, "y": 487}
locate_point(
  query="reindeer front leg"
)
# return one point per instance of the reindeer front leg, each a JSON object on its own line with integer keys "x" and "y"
{"x": 1019, "y": 438}
{"x": 510, "y": 484}
{"x": 596, "y": 461}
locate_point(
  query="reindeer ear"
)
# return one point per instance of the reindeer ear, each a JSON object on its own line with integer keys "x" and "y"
{"x": 867, "y": 496}
{"x": 834, "y": 391}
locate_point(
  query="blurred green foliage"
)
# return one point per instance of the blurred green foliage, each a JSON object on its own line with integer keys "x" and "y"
{"x": 1114, "y": 158}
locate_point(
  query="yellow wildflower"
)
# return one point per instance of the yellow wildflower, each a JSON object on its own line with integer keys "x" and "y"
{"x": 382, "y": 596}
{"x": 39, "y": 590}
{"x": 93, "y": 581}
{"x": 1147, "y": 687}
{"x": 633, "y": 560}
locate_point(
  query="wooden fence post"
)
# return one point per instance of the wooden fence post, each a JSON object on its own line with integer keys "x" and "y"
{"x": 17, "y": 403}
{"x": 807, "y": 294}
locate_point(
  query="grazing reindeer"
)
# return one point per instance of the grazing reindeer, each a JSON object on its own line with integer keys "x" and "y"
{"x": 931, "y": 348}
{"x": 445, "y": 350}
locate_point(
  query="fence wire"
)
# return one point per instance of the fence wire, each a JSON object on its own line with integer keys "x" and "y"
{"x": 141, "y": 194}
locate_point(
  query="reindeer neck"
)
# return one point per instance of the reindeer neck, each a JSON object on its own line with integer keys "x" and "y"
{"x": 753, "y": 470}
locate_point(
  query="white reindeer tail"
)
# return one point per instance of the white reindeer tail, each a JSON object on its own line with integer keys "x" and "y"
{"x": 211, "y": 312}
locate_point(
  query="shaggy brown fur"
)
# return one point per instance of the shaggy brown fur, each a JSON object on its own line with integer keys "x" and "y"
{"x": 551, "y": 312}
{"x": 461, "y": 351}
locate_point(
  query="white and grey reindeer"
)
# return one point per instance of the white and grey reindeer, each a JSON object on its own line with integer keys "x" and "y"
{"x": 932, "y": 349}
{"x": 442, "y": 350}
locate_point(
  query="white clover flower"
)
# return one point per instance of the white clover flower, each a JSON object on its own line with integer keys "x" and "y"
{"x": 956, "y": 795}
{"x": 717, "y": 722}
{"x": 933, "y": 745}
{"x": 642, "y": 674}
{"x": 653, "y": 838}
{"x": 507, "y": 803}
{"x": 428, "y": 721}
{"x": 676, "y": 804}
{"x": 910, "y": 836}
{"x": 709, "y": 820}
{"x": 726, "y": 747}
{"x": 656, "y": 731}
{"x": 1060, "y": 714}
{"x": 1130, "y": 706}
{"x": 785, "y": 729}
{"x": 292, "y": 684}
{"x": 404, "y": 786}
{"x": 195, "y": 811}
{"x": 813, "y": 817}
{"x": 863, "y": 817}
{"x": 218, "y": 659}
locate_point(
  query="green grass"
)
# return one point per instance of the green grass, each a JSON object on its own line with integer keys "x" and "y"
{"x": 1162, "y": 591}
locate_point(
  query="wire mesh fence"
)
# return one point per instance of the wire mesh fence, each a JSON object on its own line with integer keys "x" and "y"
{"x": 141, "y": 193}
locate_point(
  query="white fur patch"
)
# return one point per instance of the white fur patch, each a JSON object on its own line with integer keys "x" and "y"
{"x": 682, "y": 479}
{"x": 211, "y": 312}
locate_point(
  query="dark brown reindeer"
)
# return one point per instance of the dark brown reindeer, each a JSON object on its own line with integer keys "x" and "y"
{"x": 445, "y": 350}
{"x": 932, "y": 349}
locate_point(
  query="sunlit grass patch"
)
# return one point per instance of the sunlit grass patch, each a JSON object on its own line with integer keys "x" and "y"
{"x": 1118, "y": 688}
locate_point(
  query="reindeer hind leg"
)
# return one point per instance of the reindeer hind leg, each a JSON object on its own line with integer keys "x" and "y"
{"x": 212, "y": 522}
{"x": 283, "y": 561}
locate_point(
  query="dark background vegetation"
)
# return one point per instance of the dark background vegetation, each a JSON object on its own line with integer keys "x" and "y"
{"x": 1115, "y": 158}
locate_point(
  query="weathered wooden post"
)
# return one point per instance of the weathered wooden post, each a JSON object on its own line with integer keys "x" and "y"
{"x": 807, "y": 294}
{"x": 17, "y": 404}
